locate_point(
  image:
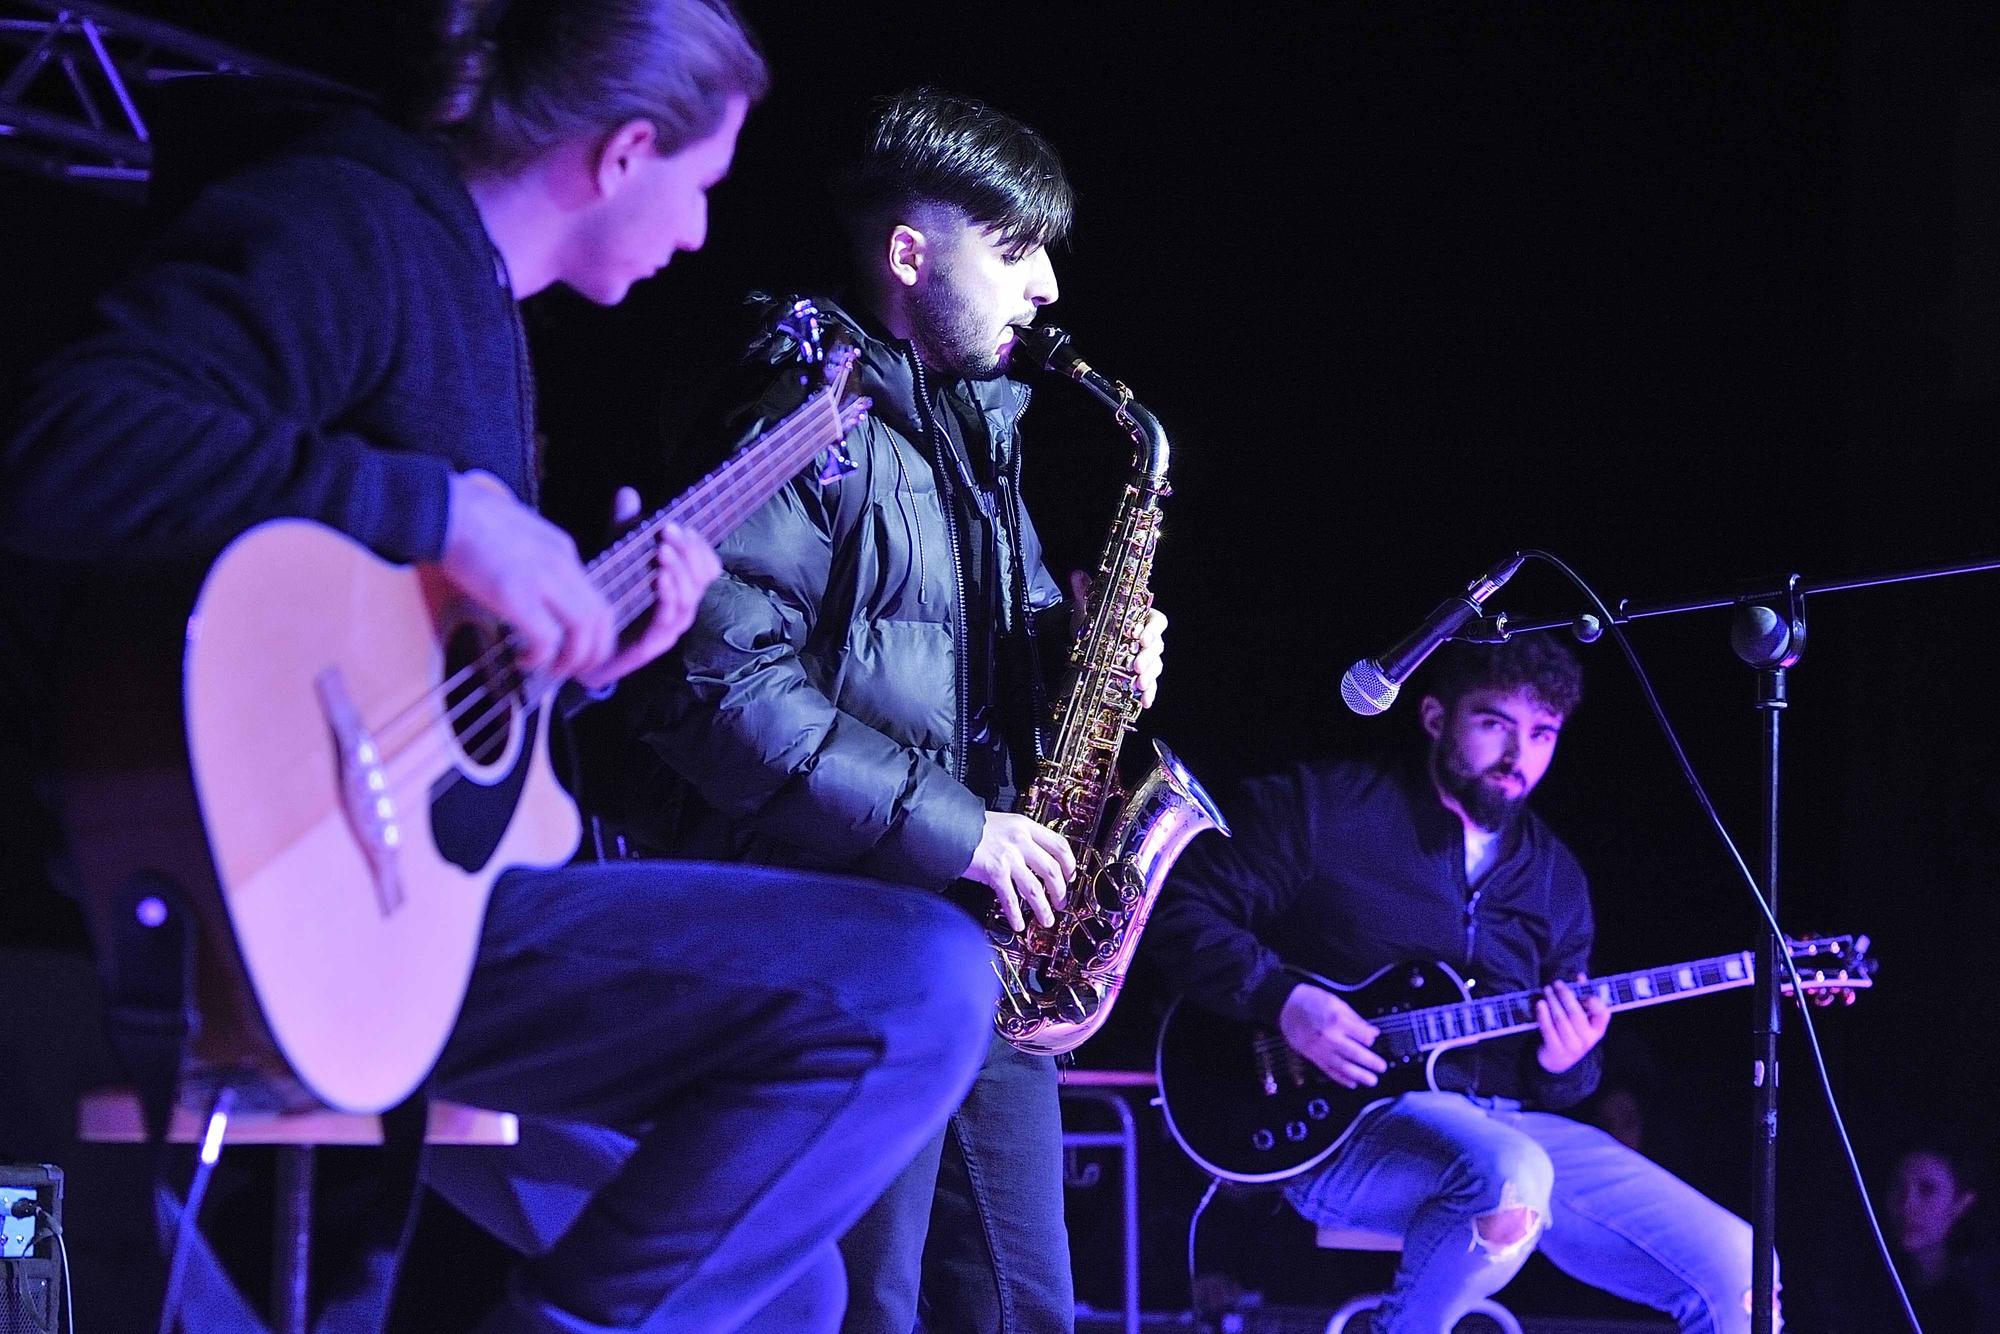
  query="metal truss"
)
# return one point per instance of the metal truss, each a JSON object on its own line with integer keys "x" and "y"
{"x": 68, "y": 74}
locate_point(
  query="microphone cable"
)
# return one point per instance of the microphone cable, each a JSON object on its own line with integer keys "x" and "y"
{"x": 184, "y": 1231}
{"x": 1617, "y": 630}
{"x": 1194, "y": 1221}
{"x": 52, "y": 1229}
{"x": 62, "y": 1253}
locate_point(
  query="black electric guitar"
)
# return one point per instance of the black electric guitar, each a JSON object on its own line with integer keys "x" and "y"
{"x": 1247, "y": 1107}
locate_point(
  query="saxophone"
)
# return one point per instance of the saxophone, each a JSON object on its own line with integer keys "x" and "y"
{"x": 1058, "y": 983}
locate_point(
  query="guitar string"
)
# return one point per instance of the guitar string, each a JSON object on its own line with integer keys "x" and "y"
{"x": 634, "y": 593}
{"x": 527, "y": 692}
{"x": 710, "y": 492}
{"x": 503, "y": 686}
{"x": 628, "y": 565}
{"x": 1707, "y": 973}
{"x": 402, "y": 756}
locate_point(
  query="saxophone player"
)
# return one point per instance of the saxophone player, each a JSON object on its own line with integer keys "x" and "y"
{"x": 861, "y": 688}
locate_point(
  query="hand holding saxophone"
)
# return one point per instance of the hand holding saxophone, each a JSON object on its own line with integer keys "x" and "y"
{"x": 1023, "y": 862}
{"x": 1150, "y": 659}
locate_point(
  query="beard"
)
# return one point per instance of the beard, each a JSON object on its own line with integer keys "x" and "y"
{"x": 1483, "y": 803}
{"x": 955, "y": 338}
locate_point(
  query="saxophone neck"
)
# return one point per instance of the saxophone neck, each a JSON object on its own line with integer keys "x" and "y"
{"x": 1150, "y": 450}
{"x": 1051, "y": 347}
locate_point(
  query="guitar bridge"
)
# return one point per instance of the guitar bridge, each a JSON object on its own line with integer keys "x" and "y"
{"x": 364, "y": 790}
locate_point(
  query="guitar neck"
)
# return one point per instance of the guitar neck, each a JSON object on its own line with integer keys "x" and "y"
{"x": 717, "y": 503}
{"x": 1496, "y": 1016}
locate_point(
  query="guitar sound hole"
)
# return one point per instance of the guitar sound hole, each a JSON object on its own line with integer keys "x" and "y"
{"x": 480, "y": 698}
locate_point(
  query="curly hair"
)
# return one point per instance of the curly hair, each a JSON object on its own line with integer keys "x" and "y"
{"x": 1539, "y": 664}
{"x": 507, "y": 80}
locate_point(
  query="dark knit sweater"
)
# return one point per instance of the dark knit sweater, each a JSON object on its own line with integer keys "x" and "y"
{"x": 324, "y": 335}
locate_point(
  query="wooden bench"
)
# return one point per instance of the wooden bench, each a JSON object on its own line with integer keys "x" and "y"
{"x": 112, "y": 1116}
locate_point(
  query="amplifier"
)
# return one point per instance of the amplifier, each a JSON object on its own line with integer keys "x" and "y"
{"x": 31, "y": 1269}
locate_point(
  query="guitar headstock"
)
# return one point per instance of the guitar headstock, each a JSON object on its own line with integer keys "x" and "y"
{"x": 1832, "y": 968}
{"x": 825, "y": 354}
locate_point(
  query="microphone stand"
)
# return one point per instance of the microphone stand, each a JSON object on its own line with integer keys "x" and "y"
{"x": 1770, "y": 641}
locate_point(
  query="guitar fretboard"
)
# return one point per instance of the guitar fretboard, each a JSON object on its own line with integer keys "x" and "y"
{"x": 714, "y": 506}
{"x": 1474, "y": 1020}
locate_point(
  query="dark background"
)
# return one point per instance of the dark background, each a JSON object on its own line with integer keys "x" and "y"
{"x": 1694, "y": 295}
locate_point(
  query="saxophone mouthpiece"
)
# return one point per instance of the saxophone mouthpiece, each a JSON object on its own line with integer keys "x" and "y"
{"x": 1048, "y": 347}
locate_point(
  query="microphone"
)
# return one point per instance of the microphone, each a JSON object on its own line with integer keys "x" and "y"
{"x": 1371, "y": 684}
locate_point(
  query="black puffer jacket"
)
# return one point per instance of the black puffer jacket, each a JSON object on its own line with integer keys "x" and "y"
{"x": 818, "y": 709}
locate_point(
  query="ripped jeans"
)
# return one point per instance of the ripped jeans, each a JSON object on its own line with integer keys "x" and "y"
{"x": 1452, "y": 1176}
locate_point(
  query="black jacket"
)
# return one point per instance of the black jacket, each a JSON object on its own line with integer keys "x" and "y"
{"x": 1345, "y": 868}
{"x": 818, "y": 705}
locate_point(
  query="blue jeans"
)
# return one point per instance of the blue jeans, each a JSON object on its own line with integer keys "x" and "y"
{"x": 770, "y": 1048}
{"x": 1429, "y": 1165}
{"x": 970, "y": 1237}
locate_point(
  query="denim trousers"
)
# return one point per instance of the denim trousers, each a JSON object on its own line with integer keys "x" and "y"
{"x": 970, "y": 1237}
{"x": 764, "y": 1049}
{"x": 1426, "y": 1166}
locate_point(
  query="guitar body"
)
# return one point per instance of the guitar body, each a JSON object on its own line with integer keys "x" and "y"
{"x": 359, "y": 961}
{"x": 340, "y": 768}
{"x": 1248, "y": 1108}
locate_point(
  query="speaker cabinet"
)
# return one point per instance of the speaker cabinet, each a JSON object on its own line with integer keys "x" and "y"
{"x": 31, "y": 1271}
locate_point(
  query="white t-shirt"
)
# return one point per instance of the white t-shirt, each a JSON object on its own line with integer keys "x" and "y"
{"x": 1481, "y": 847}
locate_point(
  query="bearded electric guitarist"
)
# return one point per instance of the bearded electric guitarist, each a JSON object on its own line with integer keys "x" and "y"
{"x": 1345, "y": 869}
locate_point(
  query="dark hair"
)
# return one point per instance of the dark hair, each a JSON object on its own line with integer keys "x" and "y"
{"x": 1953, "y": 1147}
{"x": 923, "y": 145}
{"x": 1540, "y": 664}
{"x": 510, "y": 79}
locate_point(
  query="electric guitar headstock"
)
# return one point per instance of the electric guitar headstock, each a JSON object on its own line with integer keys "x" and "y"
{"x": 1833, "y": 969}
